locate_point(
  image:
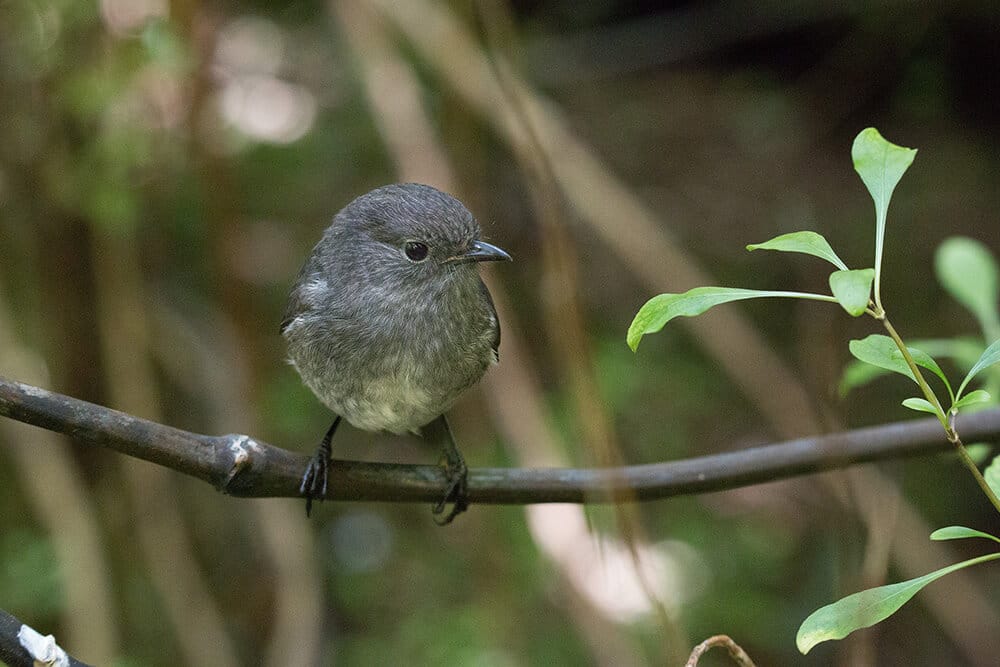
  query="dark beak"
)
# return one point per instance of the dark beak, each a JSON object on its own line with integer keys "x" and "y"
{"x": 480, "y": 251}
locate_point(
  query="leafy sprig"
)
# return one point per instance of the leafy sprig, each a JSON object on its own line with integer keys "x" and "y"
{"x": 964, "y": 270}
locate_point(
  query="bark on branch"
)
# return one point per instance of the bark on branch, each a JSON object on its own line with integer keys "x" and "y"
{"x": 240, "y": 465}
{"x": 11, "y": 651}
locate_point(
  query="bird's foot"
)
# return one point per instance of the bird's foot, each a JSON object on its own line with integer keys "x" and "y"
{"x": 314, "y": 479}
{"x": 457, "y": 474}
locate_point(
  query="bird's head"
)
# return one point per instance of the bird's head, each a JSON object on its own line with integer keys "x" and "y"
{"x": 408, "y": 235}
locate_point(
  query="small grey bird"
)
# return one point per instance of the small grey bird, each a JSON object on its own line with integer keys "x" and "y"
{"x": 389, "y": 321}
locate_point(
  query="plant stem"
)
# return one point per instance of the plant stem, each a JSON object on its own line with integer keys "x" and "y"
{"x": 919, "y": 377}
{"x": 738, "y": 655}
{"x": 879, "y": 244}
{"x": 974, "y": 469}
{"x": 949, "y": 429}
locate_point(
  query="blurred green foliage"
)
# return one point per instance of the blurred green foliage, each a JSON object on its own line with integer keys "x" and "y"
{"x": 30, "y": 577}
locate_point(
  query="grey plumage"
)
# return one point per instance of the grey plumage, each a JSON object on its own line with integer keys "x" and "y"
{"x": 385, "y": 341}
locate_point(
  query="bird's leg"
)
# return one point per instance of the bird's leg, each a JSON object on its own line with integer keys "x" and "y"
{"x": 314, "y": 478}
{"x": 456, "y": 472}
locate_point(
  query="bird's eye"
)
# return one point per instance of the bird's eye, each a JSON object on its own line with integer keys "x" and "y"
{"x": 415, "y": 251}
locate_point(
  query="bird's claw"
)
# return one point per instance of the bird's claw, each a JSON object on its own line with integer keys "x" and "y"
{"x": 314, "y": 479}
{"x": 457, "y": 474}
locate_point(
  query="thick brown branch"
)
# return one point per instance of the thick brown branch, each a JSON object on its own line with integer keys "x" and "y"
{"x": 242, "y": 466}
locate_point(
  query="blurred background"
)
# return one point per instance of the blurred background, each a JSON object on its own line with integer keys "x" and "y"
{"x": 166, "y": 167}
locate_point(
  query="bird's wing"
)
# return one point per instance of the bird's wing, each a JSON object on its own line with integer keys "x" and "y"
{"x": 299, "y": 300}
{"x": 286, "y": 320}
{"x": 295, "y": 307}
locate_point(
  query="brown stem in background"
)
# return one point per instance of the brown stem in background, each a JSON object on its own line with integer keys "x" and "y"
{"x": 70, "y": 520}
{"x": 564, "y": 317}
{"x": 601, "y": 200}
{"x": 738, "y": 655}
{"x": 157, "y": 519}
{"x": 394, "y": 94}
{"x": 296, "y": 632}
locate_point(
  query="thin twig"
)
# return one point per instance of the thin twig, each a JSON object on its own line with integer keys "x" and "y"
{"x": 738, "y": 655}
{"x": 240, "y": 465}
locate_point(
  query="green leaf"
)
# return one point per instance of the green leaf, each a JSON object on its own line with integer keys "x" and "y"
{"x": 806, "y": 242}
{"x": 920, "y": 405}
{"x": 960, "y": 533}
{"x": 924, "y": 360}
{"x": 973, "y": 397}
{"x": 866, "y": 608}
{"x": 967, "y": 269}
{"x": 883, "y": 352}
{"x": 659, "y": 310}
{"x": 853, "y": 289}
{"x": 880, "y": 164}
{"x": 992, "y": 474}
{"x": 990, "y": 356}
{"x": 965, "y": 352}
